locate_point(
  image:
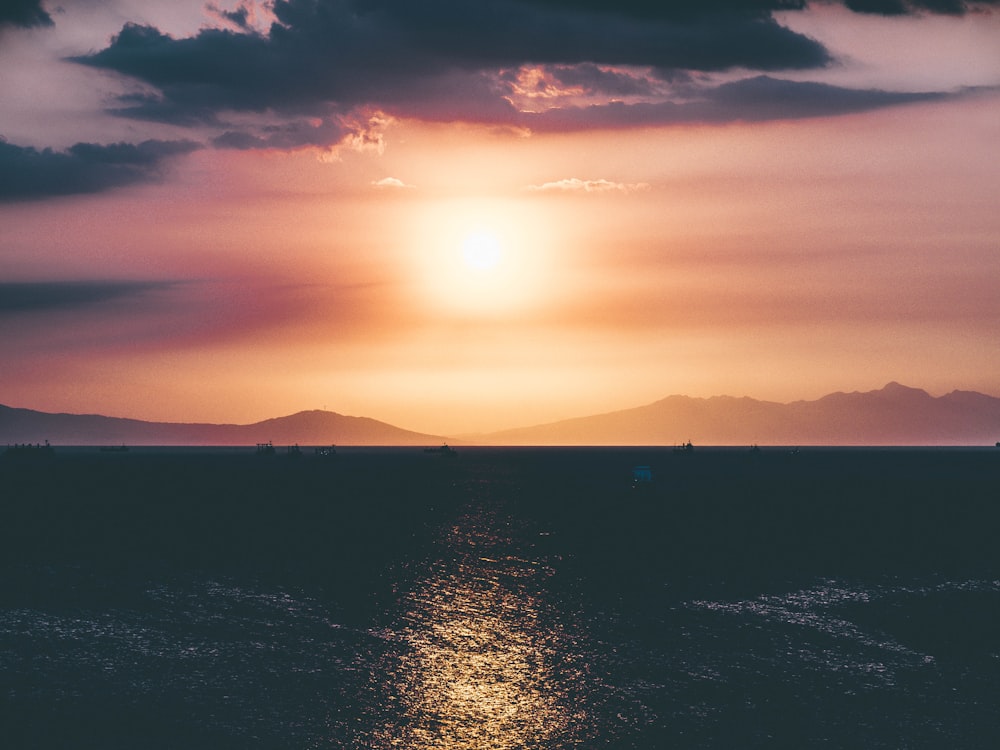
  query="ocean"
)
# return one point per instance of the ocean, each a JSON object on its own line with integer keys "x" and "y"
{"x": 500, "y": 598}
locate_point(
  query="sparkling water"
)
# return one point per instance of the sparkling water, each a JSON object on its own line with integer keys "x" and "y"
{"x": 501, "y": 598}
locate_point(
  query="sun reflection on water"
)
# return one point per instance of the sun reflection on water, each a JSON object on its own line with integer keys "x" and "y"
{"x": 485, "y": 660}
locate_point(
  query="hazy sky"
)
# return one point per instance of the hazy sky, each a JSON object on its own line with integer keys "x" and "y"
{"x": 457, "y": 216}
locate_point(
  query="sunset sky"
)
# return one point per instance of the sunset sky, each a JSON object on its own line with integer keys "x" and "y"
{"x": 461, "y": 216}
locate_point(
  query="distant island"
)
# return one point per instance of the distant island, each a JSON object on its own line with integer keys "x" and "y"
{"x": 315, "y": 427}
{"x": 893, "y": 415}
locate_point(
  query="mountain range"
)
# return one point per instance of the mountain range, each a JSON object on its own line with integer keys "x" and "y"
{"x": 305, "y": 428}
{"x": 893, "y": 415}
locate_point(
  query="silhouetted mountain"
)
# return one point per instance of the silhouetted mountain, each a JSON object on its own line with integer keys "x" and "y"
{"x": 305, "y": 428}
{"x": 894, "y": 415}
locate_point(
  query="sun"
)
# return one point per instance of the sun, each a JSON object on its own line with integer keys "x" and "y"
{"x": 481, "y": 250}
{"x": 478, "y": 258}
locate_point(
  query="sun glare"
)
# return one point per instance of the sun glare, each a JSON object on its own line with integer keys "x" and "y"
{"x": 479, "y": 257}
{"x": 481, "y": 250}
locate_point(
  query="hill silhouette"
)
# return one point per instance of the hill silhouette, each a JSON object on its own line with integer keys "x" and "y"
{"x": 306, "y": 427}
{"x": 893, "y": 415}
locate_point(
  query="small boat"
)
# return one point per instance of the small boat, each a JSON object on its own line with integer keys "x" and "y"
{"x": 444, "y": 450}
{"x": 687, "y": 447}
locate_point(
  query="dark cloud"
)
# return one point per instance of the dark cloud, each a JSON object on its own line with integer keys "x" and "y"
{"x": 503, "y": 33}
{"x": 459, "y": 60}
{"x": 23, "y": 14}
{"x": 882, "y": 7}
{"x": 766, "y": 98}
{"x": 674, "y": 9}
{"x": 217, "y": 69}
{"x": 949, "y": 7}
{"x": 346, "y": 54}
{"x": 18, "y": 297}
{"x": 156, "y": 108}
{"x": 755, "y": 99}
{"x": 287, "y": 136}
{"x": 907, "y": 7}
{"x": 241, "y": 17}
{"x": 27, "y": 173}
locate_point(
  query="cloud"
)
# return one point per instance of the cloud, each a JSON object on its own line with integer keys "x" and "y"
{"x": 909, "y": 7}
{"x": 360, "y": 132}
{"x": 767, "y": 98}
{"x": 27, "y": 173}
{"x": 755, "y": 99}
{"x": 582, "y": 63}
{"x": 247, "y": 16}
{"x": 20, "y": 297}
{"x": 286, "y": 136}
{"x": 23, "y": 14}
{"x": 390, "y": 183}
{"x": 596, "y": 78}
{"x": 575, "y": 185}
{"x": 342, "y": 54}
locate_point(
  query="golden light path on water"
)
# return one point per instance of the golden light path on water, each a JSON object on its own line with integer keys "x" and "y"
{"x": 487, "y": 663}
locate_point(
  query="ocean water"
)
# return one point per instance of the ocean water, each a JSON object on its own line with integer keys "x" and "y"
{"x": 503, "y": 598}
